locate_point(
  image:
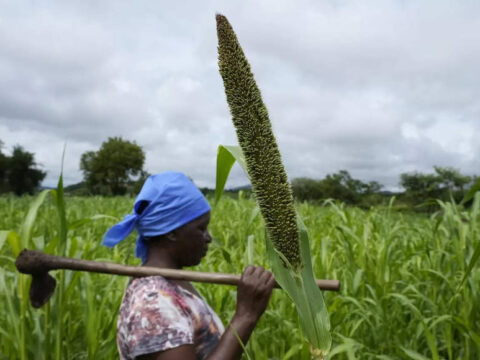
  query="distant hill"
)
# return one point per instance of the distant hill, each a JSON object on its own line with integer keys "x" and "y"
{"x": 76, "y": 189}
{"x": 238, "y": 188}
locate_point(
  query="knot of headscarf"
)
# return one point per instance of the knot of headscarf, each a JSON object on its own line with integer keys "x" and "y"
{"x": 166, "y": 202}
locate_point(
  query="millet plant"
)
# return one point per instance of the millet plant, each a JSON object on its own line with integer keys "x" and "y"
{"x": 287, "y": 240}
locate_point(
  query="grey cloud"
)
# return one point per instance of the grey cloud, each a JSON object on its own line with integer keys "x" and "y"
{"x": 344, "y": 83}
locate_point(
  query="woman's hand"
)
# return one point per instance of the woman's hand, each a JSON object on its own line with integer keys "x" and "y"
{"x": 254, "y": 291}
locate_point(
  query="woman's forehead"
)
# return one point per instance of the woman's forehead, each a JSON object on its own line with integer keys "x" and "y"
{"x": 201, "y": 220}
{"x": 204, "y": 218}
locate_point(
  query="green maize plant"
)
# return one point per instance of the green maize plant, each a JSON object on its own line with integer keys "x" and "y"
{"x": 287, "y": 240}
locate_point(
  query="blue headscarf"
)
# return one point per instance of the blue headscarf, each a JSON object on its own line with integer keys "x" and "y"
{"x": 166, "y": 202}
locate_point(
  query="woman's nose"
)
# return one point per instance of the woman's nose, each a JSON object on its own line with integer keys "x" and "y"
{"x": 208, "y": 237}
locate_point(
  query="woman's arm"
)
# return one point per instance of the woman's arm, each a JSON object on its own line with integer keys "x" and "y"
{"x": 253, "y": 294}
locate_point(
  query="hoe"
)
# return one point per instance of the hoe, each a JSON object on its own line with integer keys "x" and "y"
{"x": 38, "y": 264}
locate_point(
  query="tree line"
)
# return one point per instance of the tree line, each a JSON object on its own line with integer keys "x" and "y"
{"x": 444, "y": 183}
{"x": 117, "y": 168}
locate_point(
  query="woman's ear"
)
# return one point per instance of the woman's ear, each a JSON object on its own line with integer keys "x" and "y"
{"x": 171, "y": 236}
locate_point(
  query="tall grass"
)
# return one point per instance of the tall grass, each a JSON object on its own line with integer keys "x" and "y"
{"x": 401, "y": 273}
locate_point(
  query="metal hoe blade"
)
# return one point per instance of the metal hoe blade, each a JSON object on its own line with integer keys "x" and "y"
{"x": 41, "y": 289}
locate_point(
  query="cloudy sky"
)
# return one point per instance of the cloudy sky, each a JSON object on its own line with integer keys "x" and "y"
{"x": 374, "y": 87}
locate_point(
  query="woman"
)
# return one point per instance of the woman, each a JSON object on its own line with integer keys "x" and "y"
{"x": 163, "y": 319}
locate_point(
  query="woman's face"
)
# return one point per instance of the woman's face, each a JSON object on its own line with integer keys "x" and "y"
{"x": 192, "y": 240}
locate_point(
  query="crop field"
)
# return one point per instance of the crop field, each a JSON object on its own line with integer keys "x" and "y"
{"x": 402, "y": 294}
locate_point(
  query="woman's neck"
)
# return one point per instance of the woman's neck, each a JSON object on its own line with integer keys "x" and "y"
{"x": 161, "y": 258}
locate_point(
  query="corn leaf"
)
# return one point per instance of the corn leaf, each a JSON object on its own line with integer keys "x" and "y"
{"x": 27, "y": 226}
{"x": 13, "y": 240}
{"x": 413, "y": 354}
{"x": 476, "y": 254}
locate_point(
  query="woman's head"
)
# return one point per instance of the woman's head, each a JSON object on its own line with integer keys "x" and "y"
{"x": 186, "y": 245}
{"x": 167, "y": 202}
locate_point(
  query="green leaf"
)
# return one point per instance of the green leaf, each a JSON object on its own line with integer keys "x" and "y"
{"x": 471, "y": 192}
{"x": 250, "y": 250}
{"x": 58, "y": 195}
{"x": 428, "y": 334}
{"x": 471, "y": 264}
{"x": 27, "y": 226}
{"x": 304, "y": 292}
{"x": 342, "y": 348}
{"x": 226, "y": 157}
{"x": 476, "y": 253}
{"x": 413, "y": 354}
{"x": 13, "y": 240}
{"x": 226, "y": 255}
{"x": 253, "y": 215}
{"x": 293, "y": 352}
{"x": 79, "y": 223}
{"x": 3, "y": 237}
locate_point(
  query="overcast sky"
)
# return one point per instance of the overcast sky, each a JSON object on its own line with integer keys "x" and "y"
{"x": 374, "y": 87}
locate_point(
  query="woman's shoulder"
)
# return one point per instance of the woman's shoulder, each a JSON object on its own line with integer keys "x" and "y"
{"x": 149, "y": 282}
{"x": 149, "y": 285}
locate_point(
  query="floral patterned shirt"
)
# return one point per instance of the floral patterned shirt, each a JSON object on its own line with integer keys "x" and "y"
{"x": 157, "y": 315}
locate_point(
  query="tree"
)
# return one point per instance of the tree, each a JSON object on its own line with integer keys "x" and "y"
{"x": 372, "y": 187}
{"x": 306, "y": 189}
{"x": 22, "y": 174}
{"x": 445, "y": 183}
{"x": 420, "y": 187}
{"x": 111, "y": 169}
{"x": 340, "y": 186}
{"x": 3, "y": 169}
{"x": 451, "y": 179}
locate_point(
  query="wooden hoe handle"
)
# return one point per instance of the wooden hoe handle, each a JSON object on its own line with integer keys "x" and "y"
{"x": 38, "y": 264}
{"x": 34, "y": 262}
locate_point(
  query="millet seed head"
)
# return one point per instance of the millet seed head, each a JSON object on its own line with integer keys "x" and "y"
{"x": 255, "y": 136}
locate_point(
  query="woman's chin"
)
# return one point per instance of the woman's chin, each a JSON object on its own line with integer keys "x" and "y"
{"x": 194, "y": 262}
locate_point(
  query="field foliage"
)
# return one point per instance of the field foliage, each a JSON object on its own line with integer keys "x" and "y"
{"x": 402, "y": 293}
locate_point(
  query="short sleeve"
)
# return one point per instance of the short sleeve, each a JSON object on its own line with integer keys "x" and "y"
{"x": 156, "y": 321}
